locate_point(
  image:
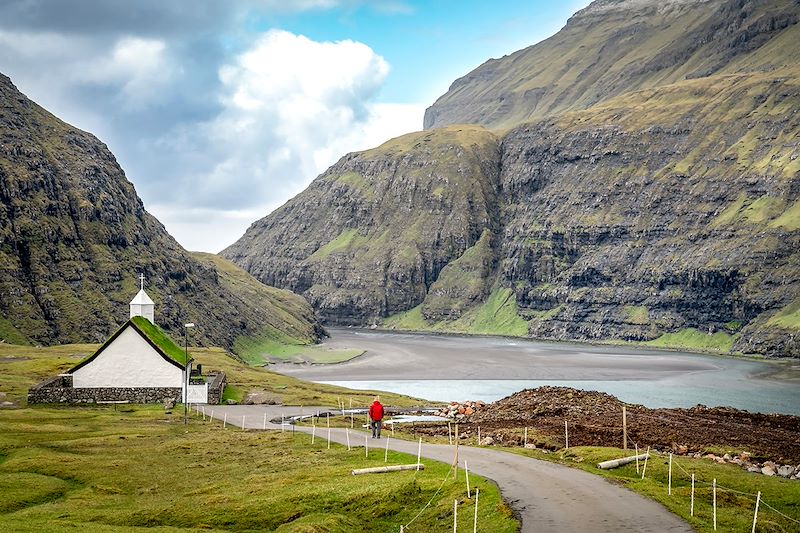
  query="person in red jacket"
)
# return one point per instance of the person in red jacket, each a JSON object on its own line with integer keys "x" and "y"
{"x": 375, "y": 417}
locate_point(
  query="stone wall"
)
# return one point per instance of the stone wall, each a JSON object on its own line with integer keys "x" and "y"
{"x": 216, "y": 385}
{"x": 59, "y": 389}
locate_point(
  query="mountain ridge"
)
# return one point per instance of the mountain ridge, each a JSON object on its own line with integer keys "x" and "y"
{"x": 74, "y": 236}
{"x": 607, "y": 49}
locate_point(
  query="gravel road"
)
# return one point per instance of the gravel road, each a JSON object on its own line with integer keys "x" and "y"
{"x": 547, "y": 497}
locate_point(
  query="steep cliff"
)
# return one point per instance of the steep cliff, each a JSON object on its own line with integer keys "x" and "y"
{"x": 74, "y": 235}
{"x": 664, "y": 208}
{"x": 370, "y": 236}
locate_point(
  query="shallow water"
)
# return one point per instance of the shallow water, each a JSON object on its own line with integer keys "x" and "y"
{"x": 446, "y": 368}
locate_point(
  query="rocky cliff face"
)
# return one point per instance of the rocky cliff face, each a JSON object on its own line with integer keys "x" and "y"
{"x": 668, "y": 213}
{"x": 370, "y": 236}
{"x": 74, "y": 235}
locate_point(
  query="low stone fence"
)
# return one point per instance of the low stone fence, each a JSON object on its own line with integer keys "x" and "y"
{"x": 59, "y": 389}
{"x": 216, "y": 386}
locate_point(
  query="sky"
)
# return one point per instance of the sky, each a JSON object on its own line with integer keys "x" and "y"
{"x": 221, "y": 111}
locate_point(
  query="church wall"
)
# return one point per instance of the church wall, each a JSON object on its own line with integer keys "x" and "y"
{"x": 129, "y": 361}
{"x": 59, "y": 389}
{"x": 102, "y": 394}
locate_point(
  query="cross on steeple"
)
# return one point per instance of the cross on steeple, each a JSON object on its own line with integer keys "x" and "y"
{"x": 141, "y": 281}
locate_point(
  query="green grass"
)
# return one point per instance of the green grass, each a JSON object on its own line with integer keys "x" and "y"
{"x": 790, "y": 219}
{"x": 694, "y": 340}
{"x": 96, "y": 469}
{"x": 788, "y": 317}
{"x": 734, "y": 511}
{"x": 356, "y": 181}
{"x": 763, "y": 209}
{"x": 10, "y": 334}
{"x": 260, "y": 350}
{"x": 496, "y": 316}
{"x": 347, "y": 239}
{"x": 411, "y": 320}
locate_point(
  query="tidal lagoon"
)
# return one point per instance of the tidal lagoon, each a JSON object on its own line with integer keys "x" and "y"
{"x": 450, "y": 367}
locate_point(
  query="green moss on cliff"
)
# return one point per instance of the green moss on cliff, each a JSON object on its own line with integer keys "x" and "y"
{"x": 462, "y": 282}
{"x": 788, "y": 317}
{"x": 356, "y": 181}
{"x": 346, "y": 240}
{"x": 790, "y": 219}
{"x": 694, "y": 340}
{"x": 411, "y": 320}
{"x": 637, "y": 314}
{"x": 498, "y": 316}
{"x": 10, "y": 334}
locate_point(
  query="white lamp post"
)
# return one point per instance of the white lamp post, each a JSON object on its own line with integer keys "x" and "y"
{"x": 186, "y": 370}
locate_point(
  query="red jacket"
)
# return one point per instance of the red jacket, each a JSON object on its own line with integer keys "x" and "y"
{"x": 376, "y": 411}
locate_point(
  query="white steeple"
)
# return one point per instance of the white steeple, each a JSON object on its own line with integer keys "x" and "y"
{"x": 142, "y": 305}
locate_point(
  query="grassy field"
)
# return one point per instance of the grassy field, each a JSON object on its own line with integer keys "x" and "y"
{"x": 693, "y": 340}
{"x": 257, "y": 351}
{"x": 98, "y": 469}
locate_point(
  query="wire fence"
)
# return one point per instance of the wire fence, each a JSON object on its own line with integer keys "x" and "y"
{"x": 757, "y": 499}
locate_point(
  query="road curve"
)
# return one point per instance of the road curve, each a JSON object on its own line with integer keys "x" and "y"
{"x": 546, "y": 496}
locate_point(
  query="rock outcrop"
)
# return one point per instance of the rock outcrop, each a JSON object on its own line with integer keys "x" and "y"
{"x": 74, "y": 235}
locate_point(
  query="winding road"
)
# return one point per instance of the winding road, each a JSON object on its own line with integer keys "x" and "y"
{"x": 546, "y": 496}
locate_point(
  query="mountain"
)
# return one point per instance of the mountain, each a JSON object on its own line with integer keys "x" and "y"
{"x": 370, "y": 235}
{"x": 74, "y": 236}
{"x": 653, "y": 195}
{"x": 616, "y": 46}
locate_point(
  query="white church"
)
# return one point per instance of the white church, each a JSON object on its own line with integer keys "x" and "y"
{"x": 139, "y": 363}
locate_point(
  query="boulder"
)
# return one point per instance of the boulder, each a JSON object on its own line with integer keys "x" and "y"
{"x": 169, "y": 403}
{"x": 786, "y": 470}
{"x": 487, "y": 441}
{"x": 768, "y": 470}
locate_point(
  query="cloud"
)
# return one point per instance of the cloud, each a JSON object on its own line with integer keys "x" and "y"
{"x": 215, "y": 126}
{"x": 291, "y": 107}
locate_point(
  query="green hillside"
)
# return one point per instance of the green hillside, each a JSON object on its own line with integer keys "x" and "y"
{"x": 74, "y": 236}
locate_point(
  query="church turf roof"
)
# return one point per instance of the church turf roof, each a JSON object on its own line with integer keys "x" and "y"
{"x": 160, "y": 339}
{"x": 152, "y": 334}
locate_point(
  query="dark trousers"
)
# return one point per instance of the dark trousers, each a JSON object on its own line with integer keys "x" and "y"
{"x": 375, "y": 425}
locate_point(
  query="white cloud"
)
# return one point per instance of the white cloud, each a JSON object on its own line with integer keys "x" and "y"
{"x": 291, "y": 107}
{"x": 225, "y": 143}
{"x": 136, "y": 69}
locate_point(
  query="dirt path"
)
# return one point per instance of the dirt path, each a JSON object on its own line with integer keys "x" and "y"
{"x": 547, "y": 497}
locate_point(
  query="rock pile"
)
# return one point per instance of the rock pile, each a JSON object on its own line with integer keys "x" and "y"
{"x": 595, "y": 419}
{"x": 768, "y": 468}
{"x": 460, "y": 411}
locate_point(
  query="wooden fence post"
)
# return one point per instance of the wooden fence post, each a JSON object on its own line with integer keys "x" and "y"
{"x": 624, "y": 428}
